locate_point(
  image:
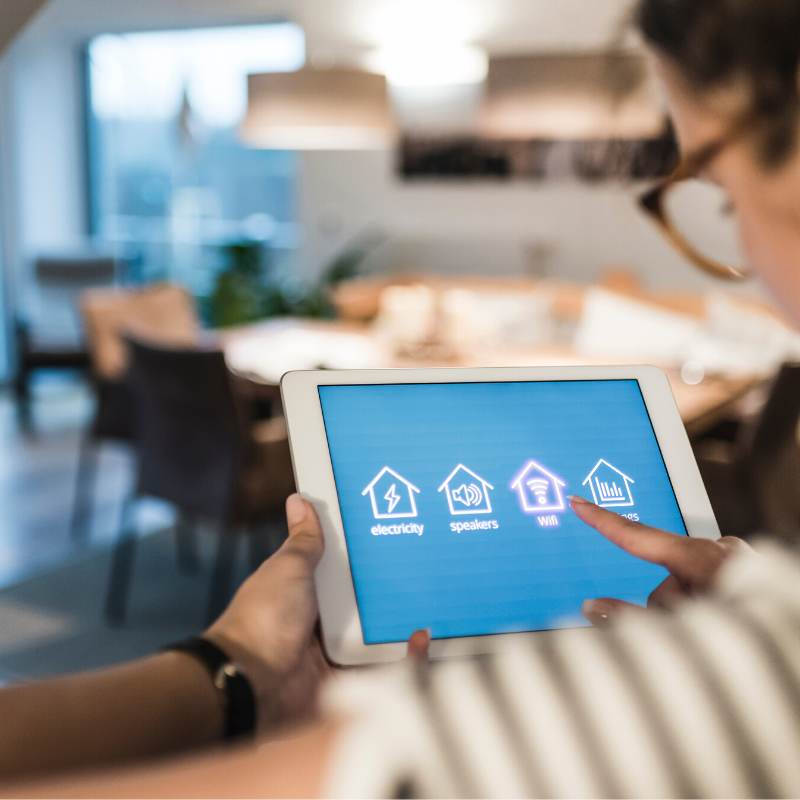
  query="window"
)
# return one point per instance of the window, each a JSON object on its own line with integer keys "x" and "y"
{"x": 170, "y": 181}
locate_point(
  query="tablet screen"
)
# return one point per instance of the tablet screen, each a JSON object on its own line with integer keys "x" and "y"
{"x": 454, "y": 501}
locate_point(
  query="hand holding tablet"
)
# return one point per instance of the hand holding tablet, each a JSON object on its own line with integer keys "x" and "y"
{"x": 443, "y": 497}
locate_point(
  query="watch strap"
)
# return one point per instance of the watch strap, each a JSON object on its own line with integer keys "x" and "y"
{"x": 239, "y": 700}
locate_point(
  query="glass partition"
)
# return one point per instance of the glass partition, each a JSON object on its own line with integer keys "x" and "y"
{"x": 171, "y": 183}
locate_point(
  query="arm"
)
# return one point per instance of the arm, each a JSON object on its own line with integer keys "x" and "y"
{"x": 293, "y": 767}
{"x": 167, "y": 703}
{"x": 157, "y": 705}
{"x": 692, "y": 563}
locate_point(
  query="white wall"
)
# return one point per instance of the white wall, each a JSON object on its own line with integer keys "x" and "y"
{"x": 48, "y": 128}
{"x": 42, "y": 195}
{"x": 8, "y": 215}
{"x": 489, "y": 225}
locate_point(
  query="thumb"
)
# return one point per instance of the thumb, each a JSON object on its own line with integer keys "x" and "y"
{"x": 305, "y": 531}
{"x": 418, "y": 644}
{"x": 603, "y": 610}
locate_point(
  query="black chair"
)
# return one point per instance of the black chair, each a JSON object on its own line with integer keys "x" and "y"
{"x": 752, "y": 470}
{"x": 32, "y": 356}
{"x": 48, "y": 333}
{"x": 164, "y": 313}
{"x": 198, "y": 448}
{"x": 113, "y": 421}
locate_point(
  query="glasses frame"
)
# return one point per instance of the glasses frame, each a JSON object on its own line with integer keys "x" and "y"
{"x": 652, "y": 201}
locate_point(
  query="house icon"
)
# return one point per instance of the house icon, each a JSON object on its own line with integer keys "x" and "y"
{"x": 391, "y": 495}
{"x": 610, "y": 487}
{"x": 538, "y": 489}
{"x": 467, "y": 492}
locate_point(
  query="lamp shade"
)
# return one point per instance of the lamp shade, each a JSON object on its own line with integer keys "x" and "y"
{"x": 562, "y": 97}
{"x": 318, "y": 109}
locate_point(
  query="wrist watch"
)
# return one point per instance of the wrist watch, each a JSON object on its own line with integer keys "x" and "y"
{"x": 238, "y": 698}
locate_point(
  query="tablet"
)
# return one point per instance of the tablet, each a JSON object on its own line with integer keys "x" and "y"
{"x": 443, "y": 497}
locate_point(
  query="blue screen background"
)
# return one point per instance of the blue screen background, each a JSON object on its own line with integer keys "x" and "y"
{"x": 519, "y": 576}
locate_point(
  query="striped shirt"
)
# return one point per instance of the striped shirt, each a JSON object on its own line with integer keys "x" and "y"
{"x": 703, "y": 701}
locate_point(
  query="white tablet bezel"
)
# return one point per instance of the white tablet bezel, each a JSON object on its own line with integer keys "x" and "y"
{"x": 341, "y": 625}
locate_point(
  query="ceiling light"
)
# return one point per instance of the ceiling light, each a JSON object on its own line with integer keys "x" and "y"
{"x": 578, "y": 96}
{"x": 388, "y": 23}
{"x": 318, "y": 109}
{"x": 430, "y": 66}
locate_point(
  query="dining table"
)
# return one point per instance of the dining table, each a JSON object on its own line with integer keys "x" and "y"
{"x": 260, "y": 353}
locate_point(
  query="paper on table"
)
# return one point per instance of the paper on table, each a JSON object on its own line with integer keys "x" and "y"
{"x": 471, "y": 319}
{"x": 271, "y": 356}
{"x": 732, "y": 339}
{"x": 407, "y": 316}
{"x": 613, "y": 324}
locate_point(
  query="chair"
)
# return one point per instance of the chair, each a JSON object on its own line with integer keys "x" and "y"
{"x": 48, "y": 334}
{"x": 198, "y": 449}
{"x": 160, "y": 313}
{"x": 752, "y": 470}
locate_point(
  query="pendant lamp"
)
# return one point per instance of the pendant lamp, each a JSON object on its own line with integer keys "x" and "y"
{"x": 318, "y": 109}
{"x": 571, "y": 96}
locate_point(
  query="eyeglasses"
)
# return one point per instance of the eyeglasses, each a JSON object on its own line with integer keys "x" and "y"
{"x": 696, "y": 217}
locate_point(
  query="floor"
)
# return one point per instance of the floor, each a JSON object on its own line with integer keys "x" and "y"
{"x": 53, "y": 622}
{"x": 37, "y": 481}
{"x": 52, "y": 589}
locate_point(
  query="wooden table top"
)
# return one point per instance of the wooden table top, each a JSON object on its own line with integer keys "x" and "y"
{"x": 264, "y": 351}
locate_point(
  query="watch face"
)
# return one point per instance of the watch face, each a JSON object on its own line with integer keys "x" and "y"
{"x": 224, "y": 673}
{"x": 239, "y": 700}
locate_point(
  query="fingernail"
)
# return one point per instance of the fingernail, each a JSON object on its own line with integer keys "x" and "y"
{"x": 296, "y": 510}
{"x": 418, "y": 644}
{"x": 576, "y": 498}
{"x": 422, "y": 633}
{"x": 598, "y": 612}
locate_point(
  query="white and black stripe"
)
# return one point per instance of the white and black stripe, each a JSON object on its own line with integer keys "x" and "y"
{"x": 703, "y": 702}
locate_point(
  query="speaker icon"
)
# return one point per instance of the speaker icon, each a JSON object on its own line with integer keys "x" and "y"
{"x": 471, "y": 495}
{"x": 467, "y": 492}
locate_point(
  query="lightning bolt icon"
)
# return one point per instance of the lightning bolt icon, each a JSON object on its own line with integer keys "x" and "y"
{"x": 392, "y": 497}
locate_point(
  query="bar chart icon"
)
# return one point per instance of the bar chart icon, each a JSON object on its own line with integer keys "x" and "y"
{"x": 610, "y": 486}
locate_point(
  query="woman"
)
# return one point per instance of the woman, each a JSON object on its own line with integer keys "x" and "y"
{"x": 702, "y": 701}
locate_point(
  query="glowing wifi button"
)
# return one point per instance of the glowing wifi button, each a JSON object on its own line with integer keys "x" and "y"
{"x": 539, "y": 488}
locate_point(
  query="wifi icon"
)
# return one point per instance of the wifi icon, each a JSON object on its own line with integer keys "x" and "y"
{"x": 539, "y": 487}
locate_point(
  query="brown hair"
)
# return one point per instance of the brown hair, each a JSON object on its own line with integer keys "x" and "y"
{"x": 718, "y": 42}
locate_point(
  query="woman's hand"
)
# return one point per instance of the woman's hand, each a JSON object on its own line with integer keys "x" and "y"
{"x": 418, "y": 644}
{"x": 269, "y": 628}
{"x": 692, "y": 563}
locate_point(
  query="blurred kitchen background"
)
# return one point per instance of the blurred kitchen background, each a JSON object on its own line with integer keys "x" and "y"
{"x": 262, "y": 185}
